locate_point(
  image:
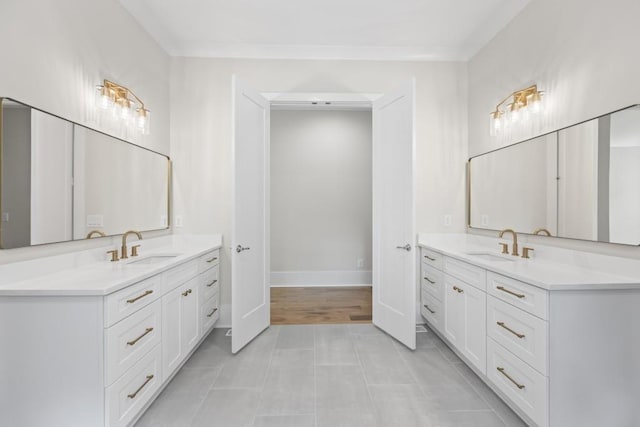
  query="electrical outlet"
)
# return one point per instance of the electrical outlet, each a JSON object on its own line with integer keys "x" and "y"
{"x": 447, "y": 220}
{"x": 484, "y": 219}
{"x": 164, "y": 221}
{"x": 179, "y": 222}
{"x": 360, "y": 263}
{"x": 5, "y": 216}
{"x": 96, "y": 220}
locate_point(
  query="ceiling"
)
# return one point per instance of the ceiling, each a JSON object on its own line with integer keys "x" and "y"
{"x": 324, "y": 29}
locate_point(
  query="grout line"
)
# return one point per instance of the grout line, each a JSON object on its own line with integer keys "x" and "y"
{"x": 364, "y": 377}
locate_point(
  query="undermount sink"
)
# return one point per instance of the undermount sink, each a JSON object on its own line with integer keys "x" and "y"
{"x": 489, "y": 257}
{"x": 153, "y": 259}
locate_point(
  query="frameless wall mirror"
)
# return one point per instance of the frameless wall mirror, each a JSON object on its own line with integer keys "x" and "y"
{"x": 59, "y": 181}
{"x": 581, "y": 182}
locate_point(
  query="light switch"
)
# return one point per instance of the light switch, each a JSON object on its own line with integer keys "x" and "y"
{"x": 5, "y": 216}
{"x": 95, "y": 221}
{"x": 179, "y": 222}
{"x": 485, "y": 220}
{"x": 164, "y": 220}
{"x": 447, "y": 220}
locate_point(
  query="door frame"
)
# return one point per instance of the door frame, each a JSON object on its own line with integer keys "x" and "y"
{"x": 339, "y": 101}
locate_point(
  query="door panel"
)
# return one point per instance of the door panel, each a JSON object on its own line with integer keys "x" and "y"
{"x": 453, "y": 311}
{"x": 171, "y": 331}
{"x": 190, "y": 320}
{"x": 394, "y": 268}
{"x": 475, "y": 327}
{"x": 250, "y": 263}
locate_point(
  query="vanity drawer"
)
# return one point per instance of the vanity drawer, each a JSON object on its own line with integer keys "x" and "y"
{"x": 431, "y": 309}
{"x": 127, "y": 341}
{"x": 209, "y": 260}
{"x": 432, "y": 281}
{"x": 522, "y": 295}
{"x": 209, "y": 283}
{"x": 523, "y": 385}
{"x": 121, "y": 304}
{"x": 209, "y": 314}
{"x": 521, "y": 333}
{"x": 180, "y": 274}
{"x": 127, "y": 396}
{"x": 434, "y": 259}
{"x": 475, "y": 276}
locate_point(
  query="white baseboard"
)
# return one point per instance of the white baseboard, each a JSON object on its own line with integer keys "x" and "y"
{"x": 320, "y": 278}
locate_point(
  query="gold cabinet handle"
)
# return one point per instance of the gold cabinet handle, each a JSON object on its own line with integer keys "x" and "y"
{"x": 212, "y": 283}
{"x": 501, "y": 324}
{"x": 503, "y": 289}
{"x": 186, "y": 293}
{"x": 501, "y": 370}
{"x": 430, "y": 311}
{"x": 212, "y": 313}
{"x": 429, "y": 258}
{"x": 457, "y": 289}
{"x": 429, "y": 280}
{"x": 135, "y": 393}
{"x": 146, "y": 331}
{"x": 131, "y": 301}
{"x": 212, "y": 259}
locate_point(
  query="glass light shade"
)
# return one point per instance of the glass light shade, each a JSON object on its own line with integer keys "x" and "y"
{"x": 102, "y": 98}
{"x": 143, "y": 117}
{"x": 536, "y": 104}
{"x": 125, "y": 109}
{"x": 496, "y": 120}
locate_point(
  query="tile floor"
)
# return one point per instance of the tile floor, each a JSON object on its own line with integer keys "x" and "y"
{"x": 327, "y": 375}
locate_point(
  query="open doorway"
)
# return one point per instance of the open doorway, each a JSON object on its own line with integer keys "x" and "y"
{"x": 394, "y": 259}
{"x": 321, "y": 213}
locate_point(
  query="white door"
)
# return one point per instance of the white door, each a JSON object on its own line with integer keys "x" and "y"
{"x": 190, "y": 322}
{"x": 171, "y": 331}
{"x": 250, "y": 229}
{"x": 474, "y": 345}
{"x": 394, "y": 252}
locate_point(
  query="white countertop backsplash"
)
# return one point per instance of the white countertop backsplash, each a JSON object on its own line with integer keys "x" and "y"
{"x": 549, "y": 268}
{"x": 90, "y": 272}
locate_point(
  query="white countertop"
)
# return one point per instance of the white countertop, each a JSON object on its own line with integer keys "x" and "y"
{"x": 549, "y": 268}
{"x": 90, "y": 273}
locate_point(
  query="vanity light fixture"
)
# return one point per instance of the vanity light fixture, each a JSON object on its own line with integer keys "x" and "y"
{"x": 123, "y": 104}
{"x": 516, "y": 108}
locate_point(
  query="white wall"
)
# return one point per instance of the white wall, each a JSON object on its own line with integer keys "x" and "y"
{"x": 201, "y": 132}
{"x": 320, "y": 197}
{"x": 583, "y": 54}
{"x": 54, "y": 54}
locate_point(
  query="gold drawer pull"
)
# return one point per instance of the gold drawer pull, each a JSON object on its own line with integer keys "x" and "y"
{"x": 186, "y": 293}
{"x": 135, "y": 393}
{"x": 429, "y": 258}
{"x": 457, "y": 289}
{"x": 510, "y": 330}
{"x": 140, "y": 337}
{"x": 429, "y": 280}
{"x": 501, "y": 370}
{"x": 430, "y": 311}
{"x": 212, "y": 283}
{"x": 502, "y": 288}
{"x": 131, "y": 301}
{"x": 212, "y": 313}
{"x": 212, "y": 259}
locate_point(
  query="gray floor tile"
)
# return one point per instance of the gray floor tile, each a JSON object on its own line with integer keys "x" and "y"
{"x": 403, "y": 405}
{"x": 365, "y": 329}
{"x": 180, "y": 400}
{"x": 296, "y": 336}
{"x": 470, "y": 419}
{"x": 290, "y": 384}
{"x": 227, "y": 408}
{"x": 503, "y": 411}
{"x": 341, "y": 388}
{"x": 381, "y": 361}
{"x": 334, "y": 345}
{"x": 248, "y": 368}
{"x": 346, "y": 418}
{"x": 308, "y": 420}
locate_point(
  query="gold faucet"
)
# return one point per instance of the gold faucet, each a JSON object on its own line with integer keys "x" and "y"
{"x": 514, "y": 252}
{"x": 93, "y": 232}
{"x": 123, "y": 255}
{"x": 542, "y": 231}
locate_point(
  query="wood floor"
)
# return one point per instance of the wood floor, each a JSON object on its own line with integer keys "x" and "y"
{"x": 318, "y": 305}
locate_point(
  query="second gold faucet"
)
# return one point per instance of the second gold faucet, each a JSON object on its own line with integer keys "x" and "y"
{"x": 124, "y": 249}
{"x": 514, "y": 252}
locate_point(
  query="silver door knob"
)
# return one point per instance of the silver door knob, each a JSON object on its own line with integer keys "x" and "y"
{"x": 406, "y": 247}
{"x": 239, "y": 249}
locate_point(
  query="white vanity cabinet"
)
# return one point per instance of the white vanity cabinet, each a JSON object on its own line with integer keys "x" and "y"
{"x": 561, "y": 351}
{"x": 99, "y": 360}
